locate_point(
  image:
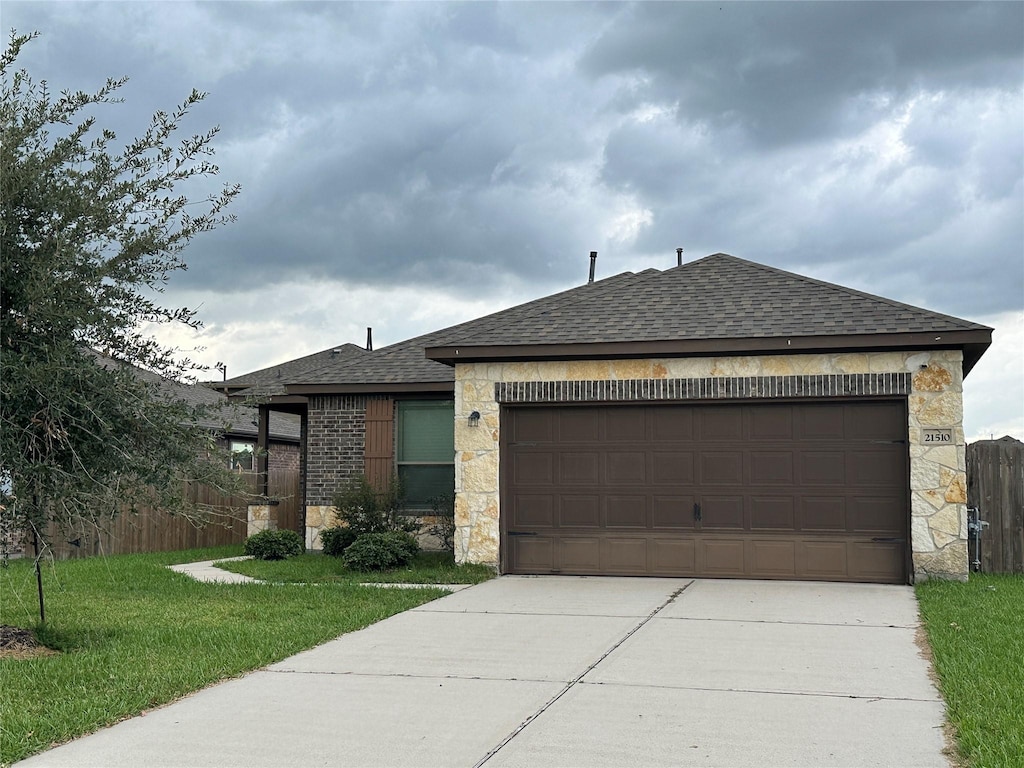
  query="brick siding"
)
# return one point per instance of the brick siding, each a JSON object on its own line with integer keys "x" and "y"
{"x": 726, "y": 388}
{"x": 335, "y": 440}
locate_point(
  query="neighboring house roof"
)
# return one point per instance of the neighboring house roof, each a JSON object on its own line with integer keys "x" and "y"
{"x": 716, "y": 305}
{"x": 271, "y": 381}
{"x": 223, "y": 416}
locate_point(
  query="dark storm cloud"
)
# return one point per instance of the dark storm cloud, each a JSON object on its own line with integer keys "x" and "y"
{"x": 473, "y": 146}
{"x": 796, "y": 72}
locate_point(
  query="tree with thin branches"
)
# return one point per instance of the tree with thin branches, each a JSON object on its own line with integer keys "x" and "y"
{"x": 90, "y": 234}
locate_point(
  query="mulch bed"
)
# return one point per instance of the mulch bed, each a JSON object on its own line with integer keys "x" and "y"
{"x": 18, "y": 643}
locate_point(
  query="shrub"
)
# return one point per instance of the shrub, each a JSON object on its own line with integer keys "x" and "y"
{"x": 407, "y": 545}
{"x": 364, "y": 509}
{"x": 274, "y": 545}
{"x": 336, "y": 540}
{"x": 443, "y": 527}
{"x": 380, "y": 551}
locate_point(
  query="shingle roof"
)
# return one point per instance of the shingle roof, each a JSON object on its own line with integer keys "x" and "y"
{"x": 222, "y": 416}
{"x": 405, "y": 361}
{"x": 715, "y": 305}
{"x": 717, "y": 297}
{"x": 272, "y": 380}
{"x": 718, "y": 305}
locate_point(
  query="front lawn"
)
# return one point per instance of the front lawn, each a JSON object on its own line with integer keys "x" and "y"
{"x": 315, "y": 568}
{"x": 133, "y": 635}
{"x": 976, "y": 631}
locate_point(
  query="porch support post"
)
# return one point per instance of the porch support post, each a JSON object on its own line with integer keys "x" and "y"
{"x": 262, "y": 457}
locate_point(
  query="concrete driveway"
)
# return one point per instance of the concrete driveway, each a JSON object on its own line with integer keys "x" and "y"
{"x": 566, "y": 671}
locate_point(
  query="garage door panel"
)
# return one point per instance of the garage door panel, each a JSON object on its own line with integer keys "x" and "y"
{"x": 769, "y": 424}
{"x": 875, "y": 421}
{"x": 673, "y": 512}
{"x": 775, "y": 559}
{"x": 673, "y": 425}
{"x": 876, "y": 561}
{"x": 721, "y": 512}
{"x": 533, "y": 511}
{"x": 625, "y": 555}
{"x": 795, "y": 490}
{"x": 578, "y": 554}
{"x": 579, "y": 468}
{"x": 580, "y": 425}
{"x": 822, "y": 513}
{"x": 533, "y": 468}
{"x": 579, "y": 511}
{"x": 533, "y": 554}
{"x": 876, "y": 514}
{"x": 626, "y": 424}
{"x": 824, "y": 422}
{"x": 626, "y": 467}
{"x": 533, "y": 426}
{"x": 673, "y": 557}
{"x": 882, "y": 467}
{"x": 823, "y": 468}
{"x": 626, "y": 511}
{"x": 721, "y": 468}
{"x": 671, "y": 468}
{"x": 824, "y": 560}
{"x": 721, "y": 423}
{"x": 722, "y": 557}
{"x": 771, "y": 468}
{"x": 772, "y": 513}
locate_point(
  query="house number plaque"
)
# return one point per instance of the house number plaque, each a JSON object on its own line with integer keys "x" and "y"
{"x": 938, "y": 436}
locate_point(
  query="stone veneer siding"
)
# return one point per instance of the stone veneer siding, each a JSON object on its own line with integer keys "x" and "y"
{"x": 335, "y": 440}
{"x": 932, "y": 382}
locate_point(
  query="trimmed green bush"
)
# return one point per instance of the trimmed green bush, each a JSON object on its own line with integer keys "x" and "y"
{"x": 380, "y": 551}
{"x": 337, "y": 539}
{"x": 407, "y": 545}
{"x": 274, "y": 545}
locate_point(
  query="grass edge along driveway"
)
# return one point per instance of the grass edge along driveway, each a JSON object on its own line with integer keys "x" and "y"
{"x": 976, "y": 632}
{"x": 134, "y": 635}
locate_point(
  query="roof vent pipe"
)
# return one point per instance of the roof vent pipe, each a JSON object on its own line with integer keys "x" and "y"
{"x": 593, "y": 265}
{"x": 369, "y": 339}
{"x": 679, "y": 257}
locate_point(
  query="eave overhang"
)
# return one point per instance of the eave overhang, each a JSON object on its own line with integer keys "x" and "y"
{"x": 972, "y": 342}
{"x": 379, "y": 388}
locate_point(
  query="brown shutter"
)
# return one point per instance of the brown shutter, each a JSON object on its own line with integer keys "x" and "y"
{"x": 379, "y": 456}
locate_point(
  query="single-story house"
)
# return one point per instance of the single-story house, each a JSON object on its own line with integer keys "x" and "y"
{"x": 722, "y": 418}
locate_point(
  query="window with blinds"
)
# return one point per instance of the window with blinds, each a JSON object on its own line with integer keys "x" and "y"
{"x": 425, "y": 451}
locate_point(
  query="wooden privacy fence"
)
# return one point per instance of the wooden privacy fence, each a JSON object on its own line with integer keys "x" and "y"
{"x": 995, "y": 486}
{"x": 153, "y": 530}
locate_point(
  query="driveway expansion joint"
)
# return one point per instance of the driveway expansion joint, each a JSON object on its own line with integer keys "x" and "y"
{"x": 763, "y": 691}
{"x": 568, "y": 686}
{"x": 794, "y": 623}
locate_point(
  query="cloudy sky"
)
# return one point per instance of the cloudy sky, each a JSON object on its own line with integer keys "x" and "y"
{"x": 409, "y": 166}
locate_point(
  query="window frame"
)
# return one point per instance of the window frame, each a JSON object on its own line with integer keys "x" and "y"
{"x": 420, "y": 505}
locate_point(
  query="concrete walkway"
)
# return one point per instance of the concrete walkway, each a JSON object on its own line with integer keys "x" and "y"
{"x": 205, "y": 570}
{"x": 563, "y": 671}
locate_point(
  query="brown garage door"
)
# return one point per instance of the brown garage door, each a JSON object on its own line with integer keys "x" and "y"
{"x": 787, "y": 491}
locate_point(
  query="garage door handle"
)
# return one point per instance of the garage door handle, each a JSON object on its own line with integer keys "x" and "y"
{"x": 696, "y": 511}
{"x": 882, "y": 538}
{"x": 521, "y": 533}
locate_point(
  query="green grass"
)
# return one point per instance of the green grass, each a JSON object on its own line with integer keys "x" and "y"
{"x": 976, "y": 631}
{"x": 135, "y": 635}
{"x": 315, "y": 568}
